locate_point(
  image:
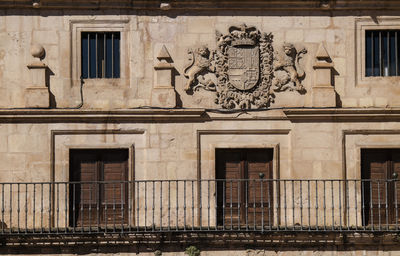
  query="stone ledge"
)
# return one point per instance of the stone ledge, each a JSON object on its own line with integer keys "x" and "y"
{"x": 196, "y": 115}
{"x": 209, "y": 4}
{"x": 343, "y": 114}
{"x": 99, "y": 116}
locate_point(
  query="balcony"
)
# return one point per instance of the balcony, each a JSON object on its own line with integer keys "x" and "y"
{"x": 192, "y": 206}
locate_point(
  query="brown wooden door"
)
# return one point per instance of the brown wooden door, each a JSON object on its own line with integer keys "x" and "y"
{"x": 242, "y": 197}
{"x": 98, "y": 190}
{"x": 380, "y": 192}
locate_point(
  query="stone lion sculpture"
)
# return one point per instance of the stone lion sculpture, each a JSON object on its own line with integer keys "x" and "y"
{"x": 288, "y": 73}
{"x": 200, "y": 63}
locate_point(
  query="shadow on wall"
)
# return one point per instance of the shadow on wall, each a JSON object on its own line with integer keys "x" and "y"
{"x": 217, "y": 11}
{"x": 249, "y": 243}
{"x": 49, "y": 73}
{"x": 335, "y": 73}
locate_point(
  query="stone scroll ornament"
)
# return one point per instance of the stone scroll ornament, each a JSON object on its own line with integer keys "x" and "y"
{"x": 244, "y": 71}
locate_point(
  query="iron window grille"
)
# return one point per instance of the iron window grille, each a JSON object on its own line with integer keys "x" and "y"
{"x": 382, "y": 53}
{"x": 100, "y": 56}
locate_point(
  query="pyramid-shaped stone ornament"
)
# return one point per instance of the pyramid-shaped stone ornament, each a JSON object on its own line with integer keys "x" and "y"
{"x": 322, "y": 53}
{"x": 164, "y": 55}
{"x": 163, "y": 94}
{"x": 323, "y": 91}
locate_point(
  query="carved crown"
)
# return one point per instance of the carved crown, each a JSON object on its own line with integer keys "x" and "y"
{"x": 243, "y": 35}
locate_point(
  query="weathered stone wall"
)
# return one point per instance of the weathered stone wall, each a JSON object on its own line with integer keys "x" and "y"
{"x": 38, "y": 151}
{"x": 143, "y": 37}
{"x": 170, "y": 151}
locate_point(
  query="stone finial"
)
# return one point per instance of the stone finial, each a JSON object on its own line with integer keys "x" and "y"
{"x": 37, "y": 93}
{"x": 164, "y": 94}
{"x": 37, "y": 51}
{"x": 322, "y": 58}
{"x": 322, "y": 53}
{"x": 324, "y": 94}
{"x": 163, "y": 55}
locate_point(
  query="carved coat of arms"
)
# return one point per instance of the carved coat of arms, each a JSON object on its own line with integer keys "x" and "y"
{"x": 242, "y": 69}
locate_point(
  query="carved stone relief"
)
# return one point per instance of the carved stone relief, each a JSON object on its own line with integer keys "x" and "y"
{"x": 199, "y": 70}
{"x": 287, "y": 71}
{"x": 244, "y": 71}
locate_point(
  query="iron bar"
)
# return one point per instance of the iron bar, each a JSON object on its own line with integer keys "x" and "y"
{"x": 395, "y": 204}
{"x": 161, "y": 203}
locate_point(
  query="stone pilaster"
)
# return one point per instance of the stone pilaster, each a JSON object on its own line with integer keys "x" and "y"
{"x": 323, "y": 92}
{"x": 163, "y": 94}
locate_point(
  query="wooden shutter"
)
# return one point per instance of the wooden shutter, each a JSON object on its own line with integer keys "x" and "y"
{"x": 85, "y": 193}
{"x": 395, "y": 186}
{"x": 380, "y": 194}
{"x": 114, "y": 198}
{"x": 260, "y": 192}
{"x": 229, "y": 168}
{"x": 100, "y": 193}
{"x": 242, "y": 198}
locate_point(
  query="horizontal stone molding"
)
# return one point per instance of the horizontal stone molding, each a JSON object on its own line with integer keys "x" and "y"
{"x": 195, "y": 115}
{"x": 98, "y": 116}
{"x": 210, "y": 4}
{"x": 343, "y": 115}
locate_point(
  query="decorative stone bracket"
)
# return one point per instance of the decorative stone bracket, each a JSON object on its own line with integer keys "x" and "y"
{"x": 323, "y": 92}
{"x": 37, "y": 94}
{"x": 164, "y": 94}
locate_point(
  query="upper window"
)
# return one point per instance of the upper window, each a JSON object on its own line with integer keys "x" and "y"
{"x": 100, "y": 54}
{"x": 382, "y": 56}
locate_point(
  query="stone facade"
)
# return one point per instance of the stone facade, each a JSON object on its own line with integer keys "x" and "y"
{"x": 171, "y": 107}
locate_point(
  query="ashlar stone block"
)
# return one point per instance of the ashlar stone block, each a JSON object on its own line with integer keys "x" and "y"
{"x": 323, "y": 77}
{"x": 37, "y": 97}
{"x": 165, "y": 98}
{"x": 164, "y": 78}
{"x": 324, "y": 96}
{"x": 38, "y": 73}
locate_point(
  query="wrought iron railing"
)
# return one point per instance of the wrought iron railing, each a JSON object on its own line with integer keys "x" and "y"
{"x": 259, "y": 205}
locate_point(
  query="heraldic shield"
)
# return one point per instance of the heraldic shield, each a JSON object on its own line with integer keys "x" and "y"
{"x": 243, "y": 66}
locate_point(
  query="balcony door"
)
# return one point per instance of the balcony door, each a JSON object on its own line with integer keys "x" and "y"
{"x": 243, "y": 198}
{"x": 380, "y": 193}
{"x": 98, "y": 190}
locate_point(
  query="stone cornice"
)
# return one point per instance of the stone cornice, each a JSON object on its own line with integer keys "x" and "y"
{"x": 196, "y": 115}
{"x": 209, "y": 4}
{"x": 343, "y": 115}
{"x": 100, "y": 116}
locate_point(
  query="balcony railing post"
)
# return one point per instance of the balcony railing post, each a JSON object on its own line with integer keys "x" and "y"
{"x": 340, "y": 205}
{"x": 316, "y": 206}
{"x": 395, "y": 205}
{"x": 208, "y": 204}
{"x": 169, "y": 205}
{"x": 193, "y": 205}
{"x": 161, "y": 203}
{"x": 184, "y": 205}
{"x": 355, "y": 203}
{"x": 153, "y": 206}
{"x": 261, "y": 175}
{"x": 301, "y": 204}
